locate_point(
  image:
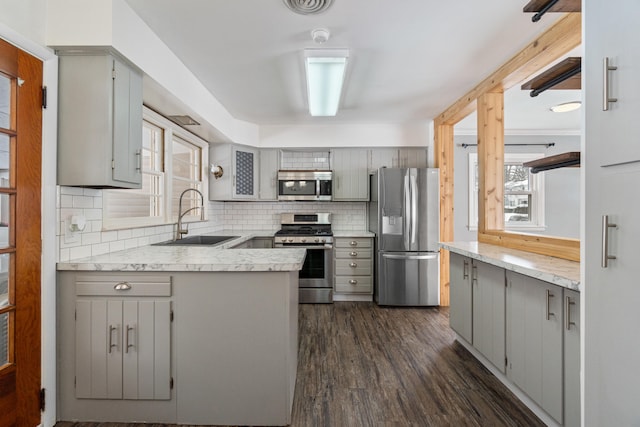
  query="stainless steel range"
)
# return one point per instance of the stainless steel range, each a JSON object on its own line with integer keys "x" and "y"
{"x": 312, "y": 232}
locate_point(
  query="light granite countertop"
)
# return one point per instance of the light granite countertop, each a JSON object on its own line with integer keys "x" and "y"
{"x": 549, "y": 269}
{"x": 195, "y": 258}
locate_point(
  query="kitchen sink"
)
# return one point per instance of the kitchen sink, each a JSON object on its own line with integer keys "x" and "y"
{"x": 197, "y": 240}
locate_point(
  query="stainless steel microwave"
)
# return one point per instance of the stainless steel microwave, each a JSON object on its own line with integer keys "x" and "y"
{"x": 312, "y": 185}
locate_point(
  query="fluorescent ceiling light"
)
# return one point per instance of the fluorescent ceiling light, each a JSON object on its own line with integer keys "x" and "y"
{"x": 566, "y": 107}
{"x": 325, "y": 76}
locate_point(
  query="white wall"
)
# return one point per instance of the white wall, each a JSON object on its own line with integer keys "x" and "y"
{"x": 562, "y": 186}
{"x": 335, "y": 135}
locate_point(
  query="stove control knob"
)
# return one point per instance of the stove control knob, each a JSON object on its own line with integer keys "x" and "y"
{"x": 303, "y": 240}
{"x": 290, "y": 240}
{"x": 316, "y": 240}
{"x": 324, "y": 240}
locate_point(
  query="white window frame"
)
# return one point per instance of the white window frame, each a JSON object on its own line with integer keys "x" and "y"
{"x": 170, "y": 129}
{"x": 537, "y": 194}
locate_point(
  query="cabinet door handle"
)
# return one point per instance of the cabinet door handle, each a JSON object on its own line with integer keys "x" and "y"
{"x": 549, "y": 296}
{"x": 353, "y": 265}
{"x": 127, "y": 345}
{"x": 474, "y": 274}
{"x": 606, "y": 225}
{"x": 139, "y": 160}
{"x": 111, "y": 343}
{"x": 122, "y": 286}
{"x": 353, "y": 243}
{"x": 354, "y": 253}
{"x": 567, "y": 312}
{"x": 465, "y": 269}
{"x": 353, "y": 282}
{"x": 606, "y": 98}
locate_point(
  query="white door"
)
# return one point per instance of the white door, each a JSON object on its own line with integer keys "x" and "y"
{"x": 611, "y": 293}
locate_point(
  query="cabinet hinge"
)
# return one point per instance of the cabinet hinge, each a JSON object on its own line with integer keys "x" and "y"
{"x": 171, "y": 316}
{"x": 44, "y": 97}
{"x": 171, "y": 383}
{"x": 42, "y": 397}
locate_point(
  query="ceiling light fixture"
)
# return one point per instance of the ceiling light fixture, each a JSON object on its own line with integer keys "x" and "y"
{"x": 566, "y": 107}
{"x": 325, "y": 69}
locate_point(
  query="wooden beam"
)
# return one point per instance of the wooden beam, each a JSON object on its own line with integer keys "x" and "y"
{"x": 490, "y": 161}
{"x": 443, "y": 150}
{"x": 559, "y": 39}
{"x": 559, "y": 247}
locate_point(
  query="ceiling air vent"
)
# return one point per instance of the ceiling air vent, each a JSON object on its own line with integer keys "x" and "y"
{"x": 308, "y": 7}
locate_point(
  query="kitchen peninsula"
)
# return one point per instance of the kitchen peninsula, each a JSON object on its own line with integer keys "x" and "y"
{"x": 179, "y": 334}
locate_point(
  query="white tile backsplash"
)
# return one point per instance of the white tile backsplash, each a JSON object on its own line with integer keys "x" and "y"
{"x": 305, "y": 160}
{"x": 346, "y": 216}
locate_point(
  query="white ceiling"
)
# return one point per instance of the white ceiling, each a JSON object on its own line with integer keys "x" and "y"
{"x": 409, "y": 59}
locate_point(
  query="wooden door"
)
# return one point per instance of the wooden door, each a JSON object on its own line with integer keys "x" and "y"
{"x": 20, "y": 235}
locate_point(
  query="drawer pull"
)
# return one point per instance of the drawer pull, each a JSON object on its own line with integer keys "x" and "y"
{"x": 353, "y": 243}
{"x": 122, "y": 286}
{"x": 353, "y": 265}
{"x": 353, "y": 282}
{"x": 354, "y": 253}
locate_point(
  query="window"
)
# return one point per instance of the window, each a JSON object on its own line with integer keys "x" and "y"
{"x": 172, "y": 161}
{"x": 523, "y": 193}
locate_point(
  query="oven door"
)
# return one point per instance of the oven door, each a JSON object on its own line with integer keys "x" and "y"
{"x": 317, "y": 271}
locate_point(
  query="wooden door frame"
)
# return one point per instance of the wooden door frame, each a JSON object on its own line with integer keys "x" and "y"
{"x": 28, "y": 247}
{"x": 559, "y": 39}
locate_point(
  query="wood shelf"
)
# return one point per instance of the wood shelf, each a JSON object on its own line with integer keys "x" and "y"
{"x": 568, "y": 159}
{"x": 565, "y": 75}
{"x": 562, "y": 6}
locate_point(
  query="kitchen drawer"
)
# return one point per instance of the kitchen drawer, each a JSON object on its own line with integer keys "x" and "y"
{"x": 350, "y": 253}
{"x": 354, "y": 284}
{"x": 353, "y": 267}
{"x": 123, "y": 286}
{"x": 362, "y": 242}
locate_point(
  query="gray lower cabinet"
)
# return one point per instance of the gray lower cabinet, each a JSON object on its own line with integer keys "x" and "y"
{"x": 461, "y": 305}
{"x": 571, "y": 328}
{"x": 115, "y": 354}
{"x": 489, "y": 312}
{"x": 99, "y": 122}
{"x": 534, "y": 340}
{"x": 353, "y": 265}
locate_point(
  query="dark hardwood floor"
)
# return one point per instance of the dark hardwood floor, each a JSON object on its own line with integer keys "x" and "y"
{"x": 364, "y": 365}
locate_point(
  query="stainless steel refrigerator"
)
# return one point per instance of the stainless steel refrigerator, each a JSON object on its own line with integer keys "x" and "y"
{"x": 404, "y": 213}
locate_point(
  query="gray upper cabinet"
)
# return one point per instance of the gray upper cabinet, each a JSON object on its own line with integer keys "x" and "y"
{"x": 100, "y": 122}
{"x": 269, "y": 165}
{"x": 412, "y": 158}
{"x": 383, "y": 157}
{"x": 239, "y": 180}
{"x": 350, "y": 174}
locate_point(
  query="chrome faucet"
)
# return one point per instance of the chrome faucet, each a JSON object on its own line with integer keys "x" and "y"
{"x": 181, "y": 230}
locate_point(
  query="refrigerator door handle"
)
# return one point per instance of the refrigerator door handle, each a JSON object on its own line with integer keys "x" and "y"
{"x": 406, "y": 225}
{"x": 414, "y": 206}
{"x": 411, "y": 257}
